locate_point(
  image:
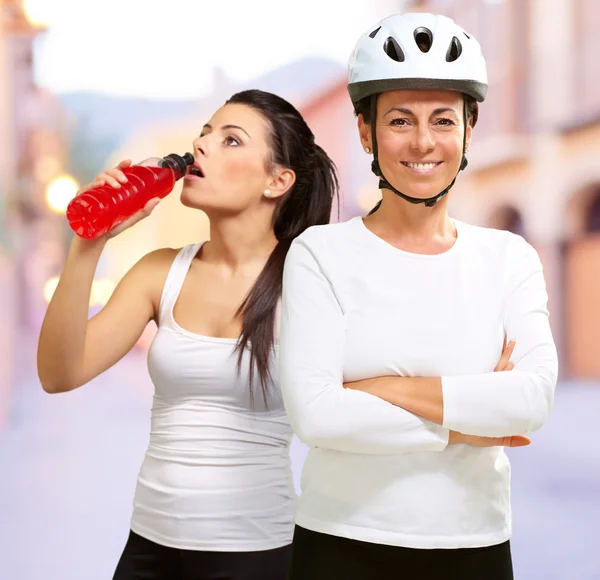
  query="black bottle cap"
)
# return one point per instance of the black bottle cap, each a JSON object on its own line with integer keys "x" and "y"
{"x": 178, "y": 163}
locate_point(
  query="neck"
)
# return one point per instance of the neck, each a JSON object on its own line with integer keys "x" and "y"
{"x": 240, "y": 241}
{"x": 414, "y": 223}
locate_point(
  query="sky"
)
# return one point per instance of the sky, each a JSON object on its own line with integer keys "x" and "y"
{"x": 169, "y": 49}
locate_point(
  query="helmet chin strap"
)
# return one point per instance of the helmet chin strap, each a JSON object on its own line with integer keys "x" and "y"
{"x": 385, "y": 184}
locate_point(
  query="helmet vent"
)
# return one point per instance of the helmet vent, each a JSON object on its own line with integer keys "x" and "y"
{"x": 454, "y": 50}
{"x": 393, "y": 50}
{"x": 424, "y": 39}
{"x": 466, "y": 35}
{"x": 374, "y": 33}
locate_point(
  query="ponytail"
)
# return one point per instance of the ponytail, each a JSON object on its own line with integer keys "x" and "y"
{"x": 308, "y": 202}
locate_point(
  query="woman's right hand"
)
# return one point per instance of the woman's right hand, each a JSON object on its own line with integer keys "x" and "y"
{"x": 115, "y": 177}
{"x": 455, "y": 437}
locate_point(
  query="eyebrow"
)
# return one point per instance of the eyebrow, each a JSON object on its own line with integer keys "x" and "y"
{"x": 225, "y": 127}
{"x": 438, "y": 111}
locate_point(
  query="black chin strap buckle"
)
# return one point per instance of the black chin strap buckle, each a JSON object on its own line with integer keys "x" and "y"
{"x": 375, "y": 168}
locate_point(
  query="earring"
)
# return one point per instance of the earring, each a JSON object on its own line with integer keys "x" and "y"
{"x": 367, "y": 150}
{"x": 267, "y": 192}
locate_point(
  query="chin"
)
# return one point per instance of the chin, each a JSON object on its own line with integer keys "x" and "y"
{"x": 419, "y": 192}
{"x": 191, "y": 199}
{"x": 423, "y": 190}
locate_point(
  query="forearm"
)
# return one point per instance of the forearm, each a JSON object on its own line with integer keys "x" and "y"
{"x": 62, "y": 337}
{"x": 499, "y": 404}
{"x": 488, "y": 405}
{"x": 354, "y": 422}
{"x": 421, "y": 396}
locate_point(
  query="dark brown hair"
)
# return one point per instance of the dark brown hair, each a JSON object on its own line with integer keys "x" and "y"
{"x": 308, "y": 202}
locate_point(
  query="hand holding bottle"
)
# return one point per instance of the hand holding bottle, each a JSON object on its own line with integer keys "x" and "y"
{"x": 114, "y": 177}
{"x": 119, "y": 194}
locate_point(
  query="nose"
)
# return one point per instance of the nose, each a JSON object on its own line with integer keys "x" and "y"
{"x": 200, "y": 146}
{"x": 423, "y": 138}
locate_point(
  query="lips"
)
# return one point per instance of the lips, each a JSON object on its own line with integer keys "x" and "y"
{"x": 196, "y": 170}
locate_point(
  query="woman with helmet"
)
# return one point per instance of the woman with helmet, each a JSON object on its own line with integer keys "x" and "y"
{"x": 394, "y": 329}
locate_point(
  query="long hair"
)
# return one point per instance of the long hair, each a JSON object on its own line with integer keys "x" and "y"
{"x": 307, "y": 203}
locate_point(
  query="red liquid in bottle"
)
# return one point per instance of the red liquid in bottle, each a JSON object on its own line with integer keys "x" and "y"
{"x": 98, "y": 210}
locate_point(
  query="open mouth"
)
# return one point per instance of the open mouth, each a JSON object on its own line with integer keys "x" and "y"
{"x": 196, "y": 170}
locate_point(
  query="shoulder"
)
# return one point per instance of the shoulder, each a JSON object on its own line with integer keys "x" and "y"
{"x": 155, "y": 262}
{"x": 150, "y": 272}
{"x": 503, "y": 251}
{"x": 496, "y": 242}
{"x": 320, "y": 248}
{"x": 328, "y": 237}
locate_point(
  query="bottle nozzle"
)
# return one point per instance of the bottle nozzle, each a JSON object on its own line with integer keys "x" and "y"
{"x": 178, "y": 163}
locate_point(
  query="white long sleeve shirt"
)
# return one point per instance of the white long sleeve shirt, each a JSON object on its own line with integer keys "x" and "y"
{"x": 355, "y": 307}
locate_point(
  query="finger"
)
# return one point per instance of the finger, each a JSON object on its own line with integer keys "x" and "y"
{"x": 110, "y": 180}
{"x": 504, "y": 358}
{"x": 117, "y": 174}
{"x": 96, "y": 183}
{"x": 510, "y": 366}
{"x": 517, "y": 441}
{"x": 125, "y": 163}
{"x": 150, "y": 205}
{"x": 135, "y": 218}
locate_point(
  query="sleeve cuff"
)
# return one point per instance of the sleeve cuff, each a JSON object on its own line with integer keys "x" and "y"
{"x": 450, "y": 418}
{"x": 443, "y": 436}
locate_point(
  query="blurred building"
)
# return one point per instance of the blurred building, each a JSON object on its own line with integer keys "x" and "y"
{"x": 33, "y": 152}
{"x": 533, "y": 164}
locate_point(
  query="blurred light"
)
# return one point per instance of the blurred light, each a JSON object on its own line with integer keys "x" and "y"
{"x": 102, "y": 290}
{"x": 38, "y": 12}
{"x": 50, "y": 287}
{"x": 46, "y": 168}
{"x": 60, "y": 192}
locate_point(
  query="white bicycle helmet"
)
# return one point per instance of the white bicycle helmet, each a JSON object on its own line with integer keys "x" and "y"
{"x": 416, "y": 51}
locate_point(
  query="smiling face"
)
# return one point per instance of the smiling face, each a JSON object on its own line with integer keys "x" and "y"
{"x": 419, "y": 139}
{"x": 232, "y": 168}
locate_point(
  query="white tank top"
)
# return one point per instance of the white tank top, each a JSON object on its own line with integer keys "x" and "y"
{"x": 217, "y": 473}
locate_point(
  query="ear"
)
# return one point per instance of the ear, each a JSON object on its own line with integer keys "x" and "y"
{"x": 468, "y": 136}
{"x": 364, "y": 132}
{"x": 280, "y": 182}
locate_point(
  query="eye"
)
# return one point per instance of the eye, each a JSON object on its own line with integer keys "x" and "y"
{"x": 399, "y": 122}
{"x": 231, "y": 141}
{"x": 445, "y": 122}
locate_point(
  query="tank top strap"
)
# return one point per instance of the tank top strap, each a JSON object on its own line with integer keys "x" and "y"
{"x": 174, "y": 282}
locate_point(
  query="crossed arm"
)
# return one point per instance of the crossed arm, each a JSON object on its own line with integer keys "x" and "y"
{"x": 389, "y": 415}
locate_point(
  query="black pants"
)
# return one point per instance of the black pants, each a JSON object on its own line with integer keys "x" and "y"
{"x": 317, "y": 556}
{"x": 146, "y": 560}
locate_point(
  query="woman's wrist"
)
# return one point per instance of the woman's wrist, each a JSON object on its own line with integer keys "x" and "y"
{"x": 82, "y": 247}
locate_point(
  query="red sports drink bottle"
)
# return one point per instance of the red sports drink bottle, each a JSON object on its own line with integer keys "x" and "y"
{"x": 98, "y": 210}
